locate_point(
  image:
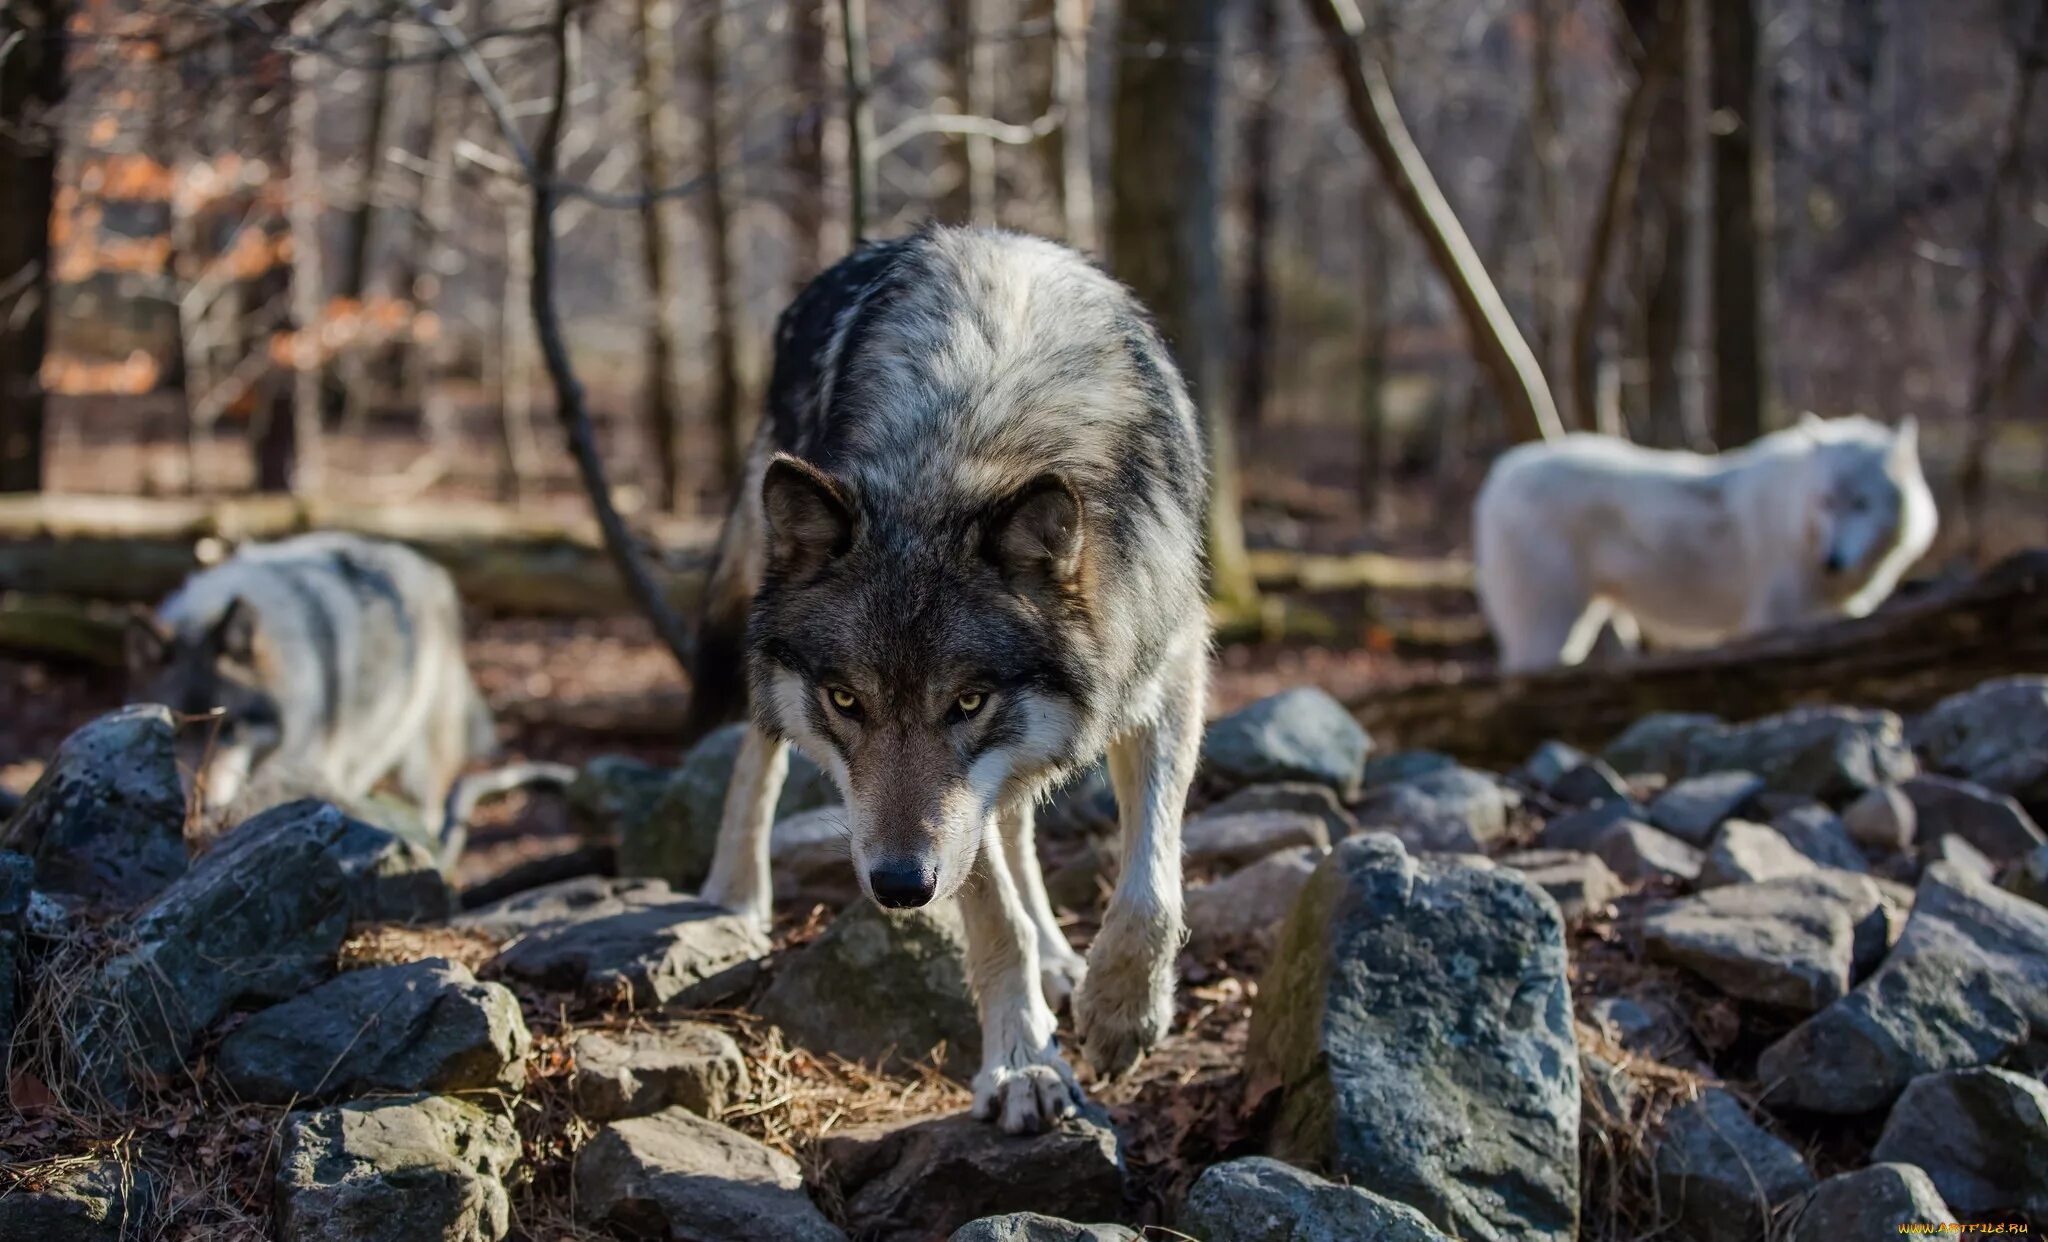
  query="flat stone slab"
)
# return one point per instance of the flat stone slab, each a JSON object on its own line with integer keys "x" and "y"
{"x": 1638, "y": 853}
{"x": 566, "y": 901}
{"x": 1691, "y": 809}
{"x": 420, "y": 1026}
{"x": 1246, "y": 908}
{"x": 1577, "y": 882}
{"x": 1296, "y": 735}
{"x": 633, "y": 1073}
{"x": 1032, "y": 1227}
{"x": 1236, "y": 838}
{"x": 1257, "y": 1199}
{"x": 1794, "y": 943}
{"x": 1994, "y": 823}
{"x": 1980, "y": 1134}
{"x": 1449, "y": 810}
{"x": 928, "y": 1178}
{"x": 1720, "y": 1176}
{"x": 1966, "y": 984}
{"x": 1301, "y": 797}
{"x": 1744, "y": 853}
{"x": 1830, "y": 753}
{"x": 1995, "y": 735}
{"x": 687, "y": 951}
{"x": 675, "y": 1175}
{"x": 395, "y": 1170}
{"x": 96, "y": 1201}
{"x": 1873, "y": 1202}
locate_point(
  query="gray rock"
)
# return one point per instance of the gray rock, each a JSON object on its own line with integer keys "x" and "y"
{"x": 1245, "y": 909}
{"x": 420, "y": 1026}
{"x": 928, "y": 1178}
{"x": 683, "y": 950}
{"x": 1981, "y": 1135}
{"x": 1819, "y": 834}
{"x": 1550, "y": 761}
{"x": 1657, "y": 743}
{"x": 1995, "y": 736}
{"x": 1452, "y": 810}
{"x": 1994, "y": 823}
{"x": 1577, "y": 882}
{"x": 676, "y": 1175}
{"x": 1582, "y": 829}
{"x": 1257, "y": 1199}
{"x": 1744, "y": 853}
{"x": 1298, "y": 796}
{"x": 612, "y": 792}
{"x": 1692, "y": 808}
{"x": 566, "y": 901}
{"x": 1960, "y": 854}
{"x": 810, "y": 859}
{"x": 1590, "y": 784}
{"x": 1873, "y": 1202}
{"x": 1297, "y": 735}
{"x": 2029, "y": 877}
{"x": 1830, "y": 753}
{"x": 1031, "y": 1227}
{"x": 1233, "y": 839}
{"x": 106, "y": 821}
{"x": 390, "y": 879}
{"x": 827, "y": 995}
{"x": 257, "y": 918}
{"x": 1402, "y": 765}
{"x": 1964, "y": 986}
{"x": 1639, "y": 853}
{"x": 1648, "y": 1028}
{"x": 395, "y": 1170}
{"x": 673, "y": 838}
{"x": 1417, "y": 1024}
{"x": 633, "y": 1073}
{"x": 96, "y": 1201}
{"x": 1796, "y": 943}
{"x": 1882, "y": 820}
{"x": 1085, "y": 804}
{"x": 1720, "y": 1176}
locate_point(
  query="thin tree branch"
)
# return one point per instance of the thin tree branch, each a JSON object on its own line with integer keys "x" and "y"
{"x": 978, "y": 126}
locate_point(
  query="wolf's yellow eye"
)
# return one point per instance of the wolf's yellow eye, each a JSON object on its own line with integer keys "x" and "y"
{"x": 970, "y": 704}
{"x": 844, "y": 700}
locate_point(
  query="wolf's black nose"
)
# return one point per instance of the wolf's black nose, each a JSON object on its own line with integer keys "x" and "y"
{"x": 902, "y": 886}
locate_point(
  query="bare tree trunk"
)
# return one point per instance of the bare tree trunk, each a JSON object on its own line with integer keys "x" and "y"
{"x": 860, "y": 116}
{"x": 973, "y": 196}
{"x": 806, "y": 156}
{"x": 1504, "y": 355}
{"x": 518, "y": 462}
{"x": 1255, "y": 314}
{"x": 1980, "y": 411}
{"x": 344, "y": 389}
{"x": 1741, "y": 146}
{"x": 420, "y": 364}
{"x": 1376, "y": 312}
{"x": 31, "y": 87}
{"x": 726, "y": 398}
{"x": 308, "y": 298}
{"x": 654, "y": 85}
{"x": 1164, "y": 205}
{"x": 1075, "y": 135}
{"x": 1624, "y": 165}
{"x": 1547, "y": 275}
{"x": 282, "y": 302}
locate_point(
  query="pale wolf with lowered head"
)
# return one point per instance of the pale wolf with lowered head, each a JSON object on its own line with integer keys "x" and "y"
{"x": 333, "y": 661}
{"x": 1818, "y": 520}
{"x": 967, "y": 561}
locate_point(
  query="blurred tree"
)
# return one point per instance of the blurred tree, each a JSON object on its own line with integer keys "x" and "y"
{"x": 1165, "y": 191}
{"x": 1666, "y": 224}
{"x": 1503, "y": 354}
{"x": 972, "y": 197}
{"x": 1066, "y": 148}
{"x": 1741, "y": 151}
{"x": 654, "y": 82}
{"x": 716, "y": 199}
{"x": 1255, "y": 313}
{"x": 345, "y": 385}
{"x": 806, "y": 151}
{"x": 860, "y": 118}
{"x": 31, "y": 87}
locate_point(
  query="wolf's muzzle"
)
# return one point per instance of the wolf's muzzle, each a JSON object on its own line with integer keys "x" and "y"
{"x": 903, "y": 885}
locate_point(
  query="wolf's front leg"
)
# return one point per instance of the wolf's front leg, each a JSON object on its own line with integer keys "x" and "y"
{"x": 1023, "y": 1085}
{"x": 1125, "y": 1005}
{"x": 1060, "y": 969}
{"x": 740, "y": 879}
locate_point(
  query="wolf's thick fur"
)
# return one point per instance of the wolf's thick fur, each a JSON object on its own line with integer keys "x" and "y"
{"x": 968, "y": 562}
{"x": 332, "y": 657}
{"x": 1820, "y": 519}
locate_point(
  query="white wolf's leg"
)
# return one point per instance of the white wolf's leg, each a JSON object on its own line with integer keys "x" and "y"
{"x": 1536, "y": 607}
{"x": 1023, "y": 1085}
{"x": 1125, "y": 1005}
{"x": 740, "y": 879}
{"x": 1060, "y": 968}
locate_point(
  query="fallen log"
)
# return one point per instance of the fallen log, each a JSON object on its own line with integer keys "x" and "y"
{"x": 1903, "y": 657}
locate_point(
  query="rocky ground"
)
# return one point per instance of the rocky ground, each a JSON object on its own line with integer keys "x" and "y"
{"x": 1779, "y": 978}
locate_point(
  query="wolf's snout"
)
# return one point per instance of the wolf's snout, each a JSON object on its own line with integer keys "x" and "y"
{"x": 903, "y": 885}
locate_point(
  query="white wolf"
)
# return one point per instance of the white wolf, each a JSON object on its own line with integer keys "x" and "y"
{"x": 1818, "y": 520}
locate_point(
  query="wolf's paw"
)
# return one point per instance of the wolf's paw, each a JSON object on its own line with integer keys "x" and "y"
{"x": 1027, "y": 1098}
{"x": 1119, "y": 1023}
{"x": 1060, "y": 977}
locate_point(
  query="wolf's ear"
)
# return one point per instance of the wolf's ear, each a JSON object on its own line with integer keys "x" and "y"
{"x": 1037, "y": 532}
{"x": 234, "y": 634}
{"x": 809, "y": 519}
{"x": 145, "y": 641}
{"x": 1906, "y": 440}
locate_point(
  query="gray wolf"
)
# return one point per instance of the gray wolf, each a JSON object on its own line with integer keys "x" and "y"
{"x": 1818, "y": 520}
{"x": 333, "y": 661}
{"x": 966, "y": 563}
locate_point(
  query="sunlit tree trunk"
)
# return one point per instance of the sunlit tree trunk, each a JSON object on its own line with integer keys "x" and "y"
{"x": 654, "y": 114}
{"x": 719, "y": 242}
{"x": 972, "y": 198}
{"x": 806, "y": 152}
